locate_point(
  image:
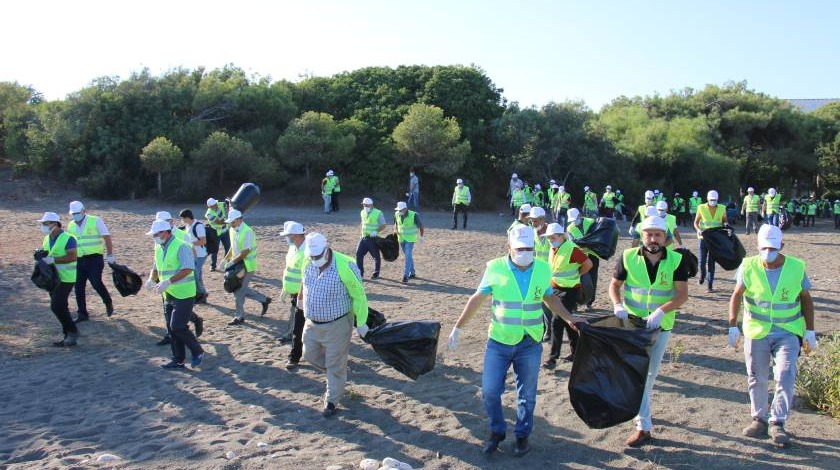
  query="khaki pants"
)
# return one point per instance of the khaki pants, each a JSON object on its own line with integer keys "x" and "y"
{"x": 326, "y": 346}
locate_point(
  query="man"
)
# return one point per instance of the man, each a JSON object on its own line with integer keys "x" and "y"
{"x": 608, "y": 202}
{"x": 413, "y": 193}
{"x": 670, "y": 221}
{"x": 336, "y": 191}
{"x": 641, "y": 211}
{"x": 680, "y": 210}
{"x": 539, "y": 196}
{"x": 562, "y": 203}
{"x": 61, "y": 250}
{"x": 292, "y": 278}
{"x": 519, "y": 285}
{"x": 812, "y": 213}
{"x": 407, "y": 224}
{"x": 837, "y": 214}
{"x": 709, "y": 215}
{"x": 524, "y": 212}
{"x": 528, "y": 193}
{"x": 243, "y": 249}
{"x": 658, "y": 196}
{"x": 771, "y": 207}
{"x": 172, "y": 277}
{"x": 326, "y": 191}
{"x": 373, "y": 223}
{"x": 568, "y": 263}
{"x": 778, "y": 318}
{"x": 461, "y": 199}
{"x": 542, "y": 247}
{"x": 577, "y": 228}
{"x": 197, "y": 236}
{"x": 693, "y": 203}
{"x": 334, "y": 301}
{"x": 215, "y": 215}
{"x": 636, "y": 231}
{"x": 92, "y": 241}
{"x": 653, "y": 279}
{"x": 590, "y": 202}
{"x": 749, "y": 209}
{"x": 552, "y": 194}
{"x": 514, "y": 184}
{"x": 619, "y": 205}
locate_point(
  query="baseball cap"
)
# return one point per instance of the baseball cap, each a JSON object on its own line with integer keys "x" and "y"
{"x": 50, "y": 217}
{"x": 609, "y": 186}
{"x": 290, "y": 227}
{"x": 662, "y": 206}
{"x": 654, "y": 223}
{"x": 648, "y": 194}
{"x": 769, "y": 236}
{"x": 459, "y": 181}
{"x": 514, "y": 175}
{"x": 163, "y": 215}
{"x": 712, "y": 195}
{"x": 76, "y": 206}
{"x": 586, "y": 188}
{"x": 750, "y": 189}
{"x": 525, "y": 209}
{"x": 521, "y": 236}
{"x": 536, "y": 212}
{"x": 159, "y": 226}
{"x": 314, "y": 245}
{"x": 367, "y": 200}
{"x": 554, "y": 229}
{"x": 771, "y": 191}
{"x": 573, "y": 214}
{"x": 400, "y": 206}
{"x": 561, "y": 188}
{"x": 233, "y": 215}
{"x": 211, "y": 202}
{"x": 330, "y": 173}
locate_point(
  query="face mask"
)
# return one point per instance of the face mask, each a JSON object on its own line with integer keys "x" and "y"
{"x": 368, "y": 209}
{"x": 404, "y": 213}
{"x": 45, "y": 229}
{"x": 661, "y": 213}
{"x": 522, "y": 258}
{"x": 769, "y": 255}
{"x": 78, "y": 217}
{"x": 289, "y": 241}
{"x": 158, "y": 240}
{"x": 712, "y": 203}
{"x": 320, "y": 262}
{"x": 556, "y": 244}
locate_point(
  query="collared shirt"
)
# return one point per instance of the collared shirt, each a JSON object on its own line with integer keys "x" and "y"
{"x": 71, "y": 242}
{"x": 197, "y": 228}
{"x": 325, "y": 296}
{"x": 247, "y": 243}
{"x": 100, "y": 227}
{"x": 680, "y": 275}
{"x": 186, "y": 259}
{"x": 523, "y": 280}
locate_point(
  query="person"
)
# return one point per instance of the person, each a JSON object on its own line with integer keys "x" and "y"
{"x": 812, "y": 212}
{"x": 709, "y": 215}
{"x": 413, "y": 193}
{"x": 636, "y": 231}
{"x": 519, "y": 284}
{"x": 517, "y": 199}
{"x": 215, "y": 215}
{"x": 693, "y": 203}
{"x": 608, "y": 202}
{"x": 542, "y": 247}
{"x": 670, "y": 221}
{"x": 778, "y": 317}
{"x": 243, "y": 249}
{"x": 407, "y": 225}
{"x": 590, "y": 203}
{"x": 658, "y": 196}
{"x": 373, "y": 223}
{"x": 92, "y": 241}
{"x": 577, "y": 228}
{"x": 837, "y": 214}
{"x": 461, "y": 199}
{"x": 680, "y": 210}
{"x": 172, "y": 278}
{"x": 524, "y": 212}
{"x": 334, "y": 300}
{"x": 336, "y": 191}
{"x": 641, "y": 211}
{"x": 654, "y": 281}
{"x": 619, "y": 205}
{"x": 292, "y": 278}
{"x": 327, "y": 191}
{"x": 562, "y": 203}
{"x": 539, "y": 196}
{"x": 61, "y": 250}
{"x": 750, "y": 209}
{"x": 552, "y": 194}
{"x": 568, "y": 263}
{"x": 197, "y": 236}
{"x": 771, "y": 207}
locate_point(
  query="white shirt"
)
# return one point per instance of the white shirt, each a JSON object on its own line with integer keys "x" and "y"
{"x": 100, "y": 226}
{"x": 200, "y": 251}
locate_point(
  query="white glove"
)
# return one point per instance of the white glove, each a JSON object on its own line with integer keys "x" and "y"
{"x": 227, "y": 265}
{"x": 810, "y": 339}
{"x": 161, "y": 287}
{"x": 150, "y": 284}
{"x": 48, "y": 259}
{"x": 453, "y": 338}
{"x": 734, "y": 334}
{"x": 110, "y": 259}
{"x": 408, "y": 194}
{"x": 373, "y": 234}
{"x": 284, "y": 296}
{"x": 362, "y": 330}
{"x": 654, "y": 319}
{"x": 619, "y": 311}
{"x": 420, "y": 239}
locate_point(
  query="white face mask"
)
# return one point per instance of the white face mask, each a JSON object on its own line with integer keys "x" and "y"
{"x": 662, "y": 213}
{"x": 769, "y": 255}
{"x": 78, "y": 217}
{"x": 289, "y": 241}
{"x": 158, "y": 240}
{"x": 45, "y": 229}
{"x": 556, "y": 244}
{"x": 522, "y": 258}
{"x": 712, "y": 203}
{"x": 320, "y": 262}
{"x": 368, "y": 209}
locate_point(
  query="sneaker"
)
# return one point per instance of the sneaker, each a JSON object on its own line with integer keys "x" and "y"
{"x": 778, "y": 435}
{"x": 196, "y": 360}
{"x": 454, "y": 227}
{"x": 292, "y": 365}
{"x": 638, "y": 438}
{"x": 236, "y": 321}
{"x": 412, "y": 276}
{"x": 199, "y": 326}
{"x": 109, "y": 309}
{"x": 757, "y": 429}
{"x": 375, "y": 276}
{"x": 80, "y": 318}
{"x": 164, "y": 341}
{"x": 521, "y": 448}
{"x": 329, "y": 410}
{"x": 569, "y": 358}
{"x": 405, "y": 280}
{"x": 492, "y": 443}
{"x": 71, "y": 339}
{"x": 172, "y": 365}
{"x": 702, "y": 279}
{"x": 265, "y": 305}
{"x": 212, "y": 268}
{"x": 550, "y": 364}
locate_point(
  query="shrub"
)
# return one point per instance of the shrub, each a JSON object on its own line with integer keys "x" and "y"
{"x": 818, "y": 381}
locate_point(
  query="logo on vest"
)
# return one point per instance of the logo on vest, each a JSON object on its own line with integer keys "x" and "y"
{"x": 538, "y": 293}
{"x": 785, "y": 294}
{"x": 663, "y": 279}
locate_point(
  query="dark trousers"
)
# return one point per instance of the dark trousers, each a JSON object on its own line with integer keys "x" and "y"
{"x": 89, "y": 268}
{"x": 593, "y": 273}
{"x": 607, "y": 212}
{"x": 224, "y": 239}
{"x": 368, "y": 245}
{"x": 334, "y": 201}
{"x": 836, "y": 220}
{"x": 558, "y": 325}
{"x": 809, "y": 220}
{"x": 707, "y": 259}
{"x": 462, "y": 208}
{"x": 177, "y": 313}
{"x": 58, "y": 304}
{"x": 683, "y": 219}
{"x": 297, "y": 333}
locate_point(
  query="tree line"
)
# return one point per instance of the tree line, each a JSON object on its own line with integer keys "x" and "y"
{"x": 187, "y": 133}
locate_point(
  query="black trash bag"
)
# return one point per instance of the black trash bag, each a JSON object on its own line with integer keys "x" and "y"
{"x": 602, "y": 238}
{"x": 246, "y": 197}
{"x": 45, "y": 276}
{"x": 691, "y": 260}
{"x": 408, "y": 346}
{"x": 125, "y": 280}
{"x": 212, "y": 243}
{"x": 611, "y": 365}
{"x": 587, "y": 290}
{"x": 234, "y": 276}
{"x": 374, "y": 319}
{"x": 388, "y": 246}
{"x": 725, "y": 247}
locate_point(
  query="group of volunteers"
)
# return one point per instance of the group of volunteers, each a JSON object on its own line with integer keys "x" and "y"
{"x": 532, "y": 290}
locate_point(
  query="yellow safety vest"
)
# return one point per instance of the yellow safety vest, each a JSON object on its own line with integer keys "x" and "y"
{"x": 370, "y": 222}
{"x": 772, "y": 204}
{"x": 563, "y": 200}
{"x": 707, "y": 220}
{"x": 836, "y": 208}
{"x": 514, "y": 316}
{"x": 671, "y": 222}
{"x": 167, "y": 266}
{"x": 694, "y": 203}
{"x": 763, "y": 307}
{"x": 293, "y": 271}
{"x": 609, "y": 202}
{"x": 328, "y": 185}
{"x": 518, "y": 198}
{"x": 89, "y": 242}
{"x": 238, "y": 235}
{"x": 336, "y": 183}
{"x": 406, "y": 228}
{"x": 642, "y": 212}
{"x": 354, "y": 286}
{"x": 220, "y": 213}
{"x": 564, "y": 273}
{"x": 542, "y": 247}
{"x": 589, "y": 200}
{"x": 752, "y": 202}
{"x": 641, "y": 297}
{"x": 66, "y": 271}
{"x": 460, "y": 195}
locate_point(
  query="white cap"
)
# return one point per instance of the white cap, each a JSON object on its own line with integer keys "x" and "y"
{"x": 618, "y": 191}
{"x": 573, "y": 214}
{"x": 290, "y": 227}
{"x": 76, "y": 206}
{"x": 211, "y": 202}
{"x": 536, "y": 213}
{"x": 525, "y": 209}
{"x": 554, "y": 185}
{"x": 750, "y": 189}
{"x": 514, "y": 175}
{"x": 330, "y": 173}
{"x": 50, "y": 217}
{"x": 159, "y": 226}
{"x": 561, "y": 188}
{"x": 459, "y": 181}
{"x": 609, "y": 187}
{"x": 712, "y": 195}
{"x": 771, "y": 191}
{"x": 654, "y": 223}
{"x": 655, "y": 191}
{"x": 694, "y": 194}
{"x": 554, "y": 229}
{"x": 537, "y": 186}
{"x": 367, "y": 200}
{"x": 163, "y": 215}
{"x": 521, "y": 236}
{"x": 662, "y": 206}
{"x": 233, "y": 215}
{"x": 400, "y": 206}
{"x": 586, "y": 188}
{"x": 648, "y": 194}
{"x": 650, "y": 211}
{"x": 769, "y": 236}
{"x": 315, "y": 244}
{"x": 551, "y": 181}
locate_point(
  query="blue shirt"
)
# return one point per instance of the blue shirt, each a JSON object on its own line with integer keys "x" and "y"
{"x": 71, "y": 242}
{"x": 523, "y": 279}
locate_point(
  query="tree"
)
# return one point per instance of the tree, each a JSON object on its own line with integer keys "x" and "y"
{"x": 221, "y": 153}
{"x": 315, "y": 139}
{"x": 160, "y": 157}
{"x": 425, "y": 139}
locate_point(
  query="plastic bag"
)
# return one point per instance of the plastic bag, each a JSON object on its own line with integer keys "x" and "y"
{"x": 389, "y": 247}
{"x": 212, "y": 244}
{"x": 246, "y": 197}
{"x": 374, "y": 319}
{"x": 125, "y": 280}
{"x": 725, "y": 247}
{"x": 408, "y": 346}
{"x": 587, "y": 290}
{"x": 611, "y": 365}
{"x": 234, "y": 276}
{"x": 602, "y": 238}
{"x": 45, "y": 276}
{"x": 691, "y": 260}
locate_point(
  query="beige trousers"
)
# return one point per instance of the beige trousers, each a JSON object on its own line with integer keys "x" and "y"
{"x": 326, "y": 346}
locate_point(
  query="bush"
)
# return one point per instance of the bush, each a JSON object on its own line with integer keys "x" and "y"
{"x": 818, "y": 381}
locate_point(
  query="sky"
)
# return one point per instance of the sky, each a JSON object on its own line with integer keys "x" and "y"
{"x": 537, "y": 51}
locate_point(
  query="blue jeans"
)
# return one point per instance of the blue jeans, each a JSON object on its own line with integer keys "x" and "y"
{"x": 199, "y": 279}
{"x": 525, "y": 358}
{"x": 413, "y": 202}
{"x": 327, "y": 203}
{"x": 773, "y": 219}
{"x": 643, "y": 421}
{"x": 408, "y": 251}
{"x": 706, "y": 259}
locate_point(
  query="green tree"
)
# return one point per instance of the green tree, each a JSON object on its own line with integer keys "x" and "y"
{"x": 160, "y": 157}
{"x": 315, "y": 140}
{"x": 426, "y": 139}
{"x": 222, "y": 155}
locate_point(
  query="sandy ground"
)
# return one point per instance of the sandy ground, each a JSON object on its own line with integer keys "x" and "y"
{"x": 63, "y": 408}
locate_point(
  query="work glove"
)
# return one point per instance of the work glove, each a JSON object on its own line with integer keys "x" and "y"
{"x": 48, "y": 259}
{"x": 420, "y": 239}
{"x": 810, "y": 339}
{"x": 654, "y": 319}
{"x": 453, "y": 338}
{"x": 408, "y": 194}
{"x": 227, "y": 265}
{"x": 373, "y": 234}
{"x": 150, "y": 284}
{"x": 619, "y": 311}
{"x": 362, "y": 330}
{"x": 284, "y": 296}
{"x": 110, "y": 259}
{"x": 734, "y": 335}
{"x": 160, "y": 288}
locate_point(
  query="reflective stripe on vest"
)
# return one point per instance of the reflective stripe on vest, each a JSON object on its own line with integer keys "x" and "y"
{"x": 219, "y": 213}
{"x": 66, "y": 271}
{"x": 764, "y": 308}
{"x": 640, "y": 296}
{"x": 515, "y": 316}
{"x": 542, "y": 247}
{"x": 167, "y": 266}
{"x": 293, "y": 272}
{"x": 752, "y": 202}
{"x": 707, "y": 220}
{"x": 406, "y": 228}
{"x": 563, "y": 271}
{"x": 238, "y": 236}
{"x": 370, "y": 222}
{"x": 772, "y": 204}
{"x": 89, "y": 242}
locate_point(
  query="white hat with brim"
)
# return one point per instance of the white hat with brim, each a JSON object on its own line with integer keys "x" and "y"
{"x": 290, "y": 227}
{"x": 712, "y": 195}
{"x": 367, "y": 201}
{"x": 525, "y": 209}
{"x": 159, "y": 226}
{"x": 662, "y": 206}
{"x": 459, "y": 181}
{"x": 648, "y": 194}
{"x": 233, "y": 215}
{"x": 50, "y": 217}
{"x": 400, "y": 206}
{"x": 163, "y": 215}
{"x": 573, "y": 214}
{"x": 769, "y": 236}
{"x": 76, "y": 206}
{"x": 521, "y": 236}
{"x": 211, "y": 202}
{"x": 554, "y": 229}
{"x": 654, "y": 223}
{"x": 314, "y": 245}
{"x": 536, "y": 213}
{"x": 330, "y": 173}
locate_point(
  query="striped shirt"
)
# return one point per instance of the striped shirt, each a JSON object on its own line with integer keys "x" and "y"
{"x": 325, "y": 297}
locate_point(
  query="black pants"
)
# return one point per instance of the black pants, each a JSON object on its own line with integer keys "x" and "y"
{"x": 297, "y": 333}
{"x": 58, "y": 304}
{"x": 334, "y": 201}
{"x": 177, "y": 313}
{"x": 368, "y": 245}
{"x": 224, "y": 238}
{"x": 836, "y": 220}
{"x": 809, "y": 221}
{"x": 462, "y": 208}
{"x": 558, "y": 325}
{"x": 89, "y": 268}
{"x": 593, "y": 273}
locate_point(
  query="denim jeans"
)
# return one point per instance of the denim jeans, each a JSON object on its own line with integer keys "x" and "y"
{"x": 525, "y": 358}
{"x": 751, "y": 224}
{"x": 327, "y": 203}
{"x": 706, "y": 260}
{"x": 642, "y": 420}
{"x": 413, "y": 202}
{"x": 199, "y": 279}
{"x": 783, "y": 348}
{"x": 408, "y": 251}
{"x": 773, "y": 219}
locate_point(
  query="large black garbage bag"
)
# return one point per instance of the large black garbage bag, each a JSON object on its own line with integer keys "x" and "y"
{"x": 246, "y": 197}
{"x": 587, "y": 290}
{"x": 45, "y": 276}
{"x": 408, "y": 346}
{"x": 724, "y": 245}
{"x": 691, "y": 260}
{"x": 234, "y": 276}
{"x": 212, "y": 244}
{"x": 388, "y": 246}
{"x": 374, "y": 319}
{"x": 602, "y": 238}
{"x": 125, "y": 280}
{"x": 608, "y": 376}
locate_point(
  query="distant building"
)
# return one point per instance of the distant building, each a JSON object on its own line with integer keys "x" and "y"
{"x": 808, "y": 105}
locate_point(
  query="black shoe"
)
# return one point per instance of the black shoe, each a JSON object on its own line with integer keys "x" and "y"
{"x": 375, "y": 276}
{"x": 492, "y": 443}
{"x": 172, "y": 365}
{"x": 412, "y": 276}
{"x": 405, "y": 280}
{"x": 329, "y": 410}
{"x": 236, "y": 321}
{"x": 81, "y": 318}
{"x": 702, "y": 279}
{"x": 109, "y": 309}
{"x": 291, "y": 365}
{"x": 521, "y": 448}
{"x": 284, "y": 339}
{"x": 164, "y": 341}
{"x": 569, "y": 358}
{"x": 213, "y": 268}
{"x": 201, "y": 299}
{"x": 454, "y": 227}
{"x": 265, "y": 305}
{"x": 550, "y": 364}
{"x": 199, "y": 326}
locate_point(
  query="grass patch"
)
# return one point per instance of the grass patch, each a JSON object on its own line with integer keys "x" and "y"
{"x": 818, "y": 380}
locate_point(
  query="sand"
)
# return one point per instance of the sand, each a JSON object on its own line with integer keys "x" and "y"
{"x": 64, "y": 408}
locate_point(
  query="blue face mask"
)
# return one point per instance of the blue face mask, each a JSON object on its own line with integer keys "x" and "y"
{"x": 556, "y": 244}
{"x": 78, "y": 216}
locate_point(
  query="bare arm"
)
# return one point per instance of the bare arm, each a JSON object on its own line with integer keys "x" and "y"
{"x": 677, "y": 236}
{"x": 807, "y": 309}
{"x": 109, "y": 247}
{"x": 68, "y": 258}
{"x": 735, "y": 304}
{"x": 180, "y": 275}
{"x": 473, "y": 305}
{"x": 585, "y": 267}
{"x": 615, "y": 291}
